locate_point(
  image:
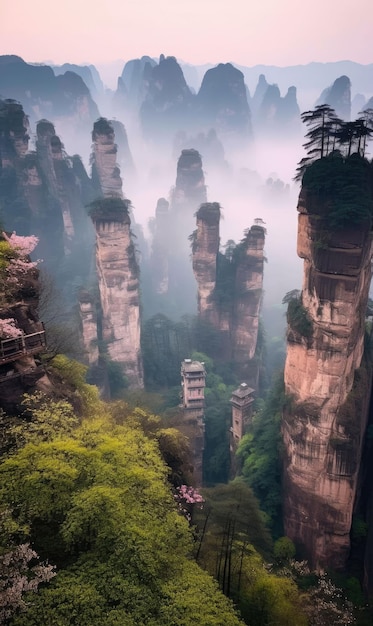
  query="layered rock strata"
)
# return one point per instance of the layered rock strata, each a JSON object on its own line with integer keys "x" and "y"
{"x": 118, "y": 281}
{"x": 248, "y": 295}
{"x": 327, "y": 385}
{"x": 190, "y": 189}
{"x": 160, "y": 261}
{"x": 171, "y": 269}
{"x": 105, "y": 170}
{"x": 222, "y": 104}
{"x": 116, "y": 262}
{"x": 60, "y": 178}
{"x": 88, "y": 316}
{"x": 230, "y": 288}
{"x": 205, "y": 252}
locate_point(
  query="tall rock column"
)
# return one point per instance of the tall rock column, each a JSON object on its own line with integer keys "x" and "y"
{"x": 326, "y": 382}
{"x": 116, "y": 263}
{"x": 105, "y": 170}
{"x": 248, "y": 289}
{"x": 205, "y": 251}
{"x": 161, "y": 237}
{"x": 118, "y": 280}
{"x": 230, "y": 289}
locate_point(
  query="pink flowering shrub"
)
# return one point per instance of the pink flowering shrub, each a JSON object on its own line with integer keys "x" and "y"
{"x": 17, "y": 577}
{"x": 22, "y": 245}
{"x": 15, "y": 264}
{"x": 9, "y": 329}
{"x": 186, "y": 497}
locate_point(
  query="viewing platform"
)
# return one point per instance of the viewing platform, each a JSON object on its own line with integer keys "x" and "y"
{"x": 25, "y": 345}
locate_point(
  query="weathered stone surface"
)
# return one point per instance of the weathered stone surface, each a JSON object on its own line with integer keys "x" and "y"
{"x": 118, "y": 282}
{"x": 167, "y": 103}
{"x": 324, "y": 426}
{"x": 230, "y": 288}
{"x": 60, "y": 178}
{"x": 24, "y": 373}
{"x": 105, "y": 171}
{"x": 248, "y": 295}
{"x": 160, "y": 258}
{"x": 222, "y": 103}
{"x": 190, "y": 189}
{"x": 338, "y": 96}
{"x": 88, "y": 316}
{"x": 205, "y": 251}
{"x": 117, "y": 266}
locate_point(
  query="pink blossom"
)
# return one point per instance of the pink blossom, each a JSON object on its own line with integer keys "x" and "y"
{"x": 22, "y": 245}
{"x": 18, "y": 577}
{"x": 19, "y": 267}
{"x": 189, "y": 494}
{"x": 8, "y": 328}
{"x": 186, "y": 496}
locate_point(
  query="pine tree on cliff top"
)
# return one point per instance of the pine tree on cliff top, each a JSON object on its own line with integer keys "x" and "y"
{"x": 328, "y": 133}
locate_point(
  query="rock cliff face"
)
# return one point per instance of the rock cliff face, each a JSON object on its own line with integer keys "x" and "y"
{"x": 205, "y": 252}
{"x": 276, "y": 115}
{"x": 171, "y": 268}
{"x": 327, "y": 384}
{"x": 117, "y": 266}
{"x": 160, "y": 273}
{"x": 167, "y": 101}
{"x": 190, "y": 189}
{"x": 88, "y": 316}
{"x": 61, "y": 181}
{"x": 133, "y": 83}
{"x": 105, "y": 171}
{"x": 43, "y": 192}
{"x": 230, "y": 289}
{"x": 22, "y": 337}
{"x": 43, "y": 94}
{"x": 338, "y": 96}
{"x": 118, "y": 280}
{"x": 222, "y": 103}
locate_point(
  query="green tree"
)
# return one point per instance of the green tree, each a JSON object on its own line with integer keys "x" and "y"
{"x": 259, "y": 453}
{"x": 284, "y": 550}
{"x": 96, "y": 503}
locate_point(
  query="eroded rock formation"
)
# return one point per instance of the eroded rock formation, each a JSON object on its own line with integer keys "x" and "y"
{"x": 276, "y": 115}
{"x": 338, "y": 96}
{"x": 116, "y": 262}
{"x": 167, "y": 103}
{"x": 118, "y": 281}
{"x": 105, "y": 170}
{"x": 65, "y": 98}
{"x": 222, "y": 103}
{"x": 160, "y": 260}
{"x": 171, "y": 269}
{"x": 190, "y": 189}
{"x": 327, "y": 384}
{"x": 230, "y": 288}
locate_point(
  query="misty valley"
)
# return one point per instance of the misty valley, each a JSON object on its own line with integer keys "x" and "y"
{"x": 186, "y": 345}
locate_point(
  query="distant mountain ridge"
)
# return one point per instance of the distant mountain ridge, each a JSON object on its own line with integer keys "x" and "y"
{"x": 307, "y": 78}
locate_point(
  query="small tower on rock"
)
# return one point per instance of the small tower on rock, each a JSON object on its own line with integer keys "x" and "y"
{"x": 193, "y": 375}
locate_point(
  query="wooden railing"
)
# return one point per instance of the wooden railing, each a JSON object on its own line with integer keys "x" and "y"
{"x": 13, "y": 349}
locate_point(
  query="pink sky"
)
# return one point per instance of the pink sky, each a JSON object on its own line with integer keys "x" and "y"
{"x": 247, "y": 32}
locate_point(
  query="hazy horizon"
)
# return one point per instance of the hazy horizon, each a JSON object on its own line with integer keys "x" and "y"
{"x": 214, "y": 31}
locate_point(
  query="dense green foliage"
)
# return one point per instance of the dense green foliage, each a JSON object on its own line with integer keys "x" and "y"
{"x": 95, "y": 502}
{"x": 343, "y": 187}
{"x": 216, "y": 458}
{"x": 335, "y": 172}
{"x": 115, "y": 209}
{"x": 298, "y": 319}
{"x": 230, "y": 533}
{"x": 259, "y": 453}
